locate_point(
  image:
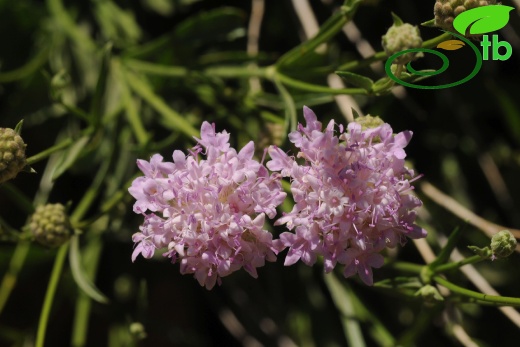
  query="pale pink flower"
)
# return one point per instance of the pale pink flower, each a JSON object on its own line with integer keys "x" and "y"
{"x": 207, "y": 214}
{"x": 352, "y": 195}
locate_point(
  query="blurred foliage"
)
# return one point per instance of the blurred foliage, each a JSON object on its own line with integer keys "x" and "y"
{"x": 101, "y": 83}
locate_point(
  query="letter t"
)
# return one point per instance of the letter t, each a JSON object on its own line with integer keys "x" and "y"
{"x": 485, "y": 47}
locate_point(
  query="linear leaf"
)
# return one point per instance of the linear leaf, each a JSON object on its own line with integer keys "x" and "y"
{"x": 70, "y": 156}
{"x": 79, "y": 273}
{"x": 356, "y": 80}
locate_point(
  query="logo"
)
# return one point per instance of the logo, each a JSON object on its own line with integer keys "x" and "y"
{"x": 477, "y": 21}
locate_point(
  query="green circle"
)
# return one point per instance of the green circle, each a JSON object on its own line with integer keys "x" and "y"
{"x": 444, "y": 67}
{"x": 476, "y": 69}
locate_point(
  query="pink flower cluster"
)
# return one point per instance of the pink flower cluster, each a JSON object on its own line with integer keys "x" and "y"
{"x": 352, "y": 195}
{"x": 208, "y": 213}
{"x": 352, "y": 198}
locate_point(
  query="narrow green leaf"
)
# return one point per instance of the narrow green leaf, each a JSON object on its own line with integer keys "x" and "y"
{"x": 116, "y": 24}
{"x": 96, "y": 106}
{"x": 290, "y": 108}
{"x": 79, "y": 274}
{"x": 172, "y": 118}
{"x": 355, "y": 113}
{"x": 416, "y": 78}
{"x": 28, "y": 69}
{"x": 356, "y": 80}
{"x": 429, "y": 23}
{"x": 70, "y": 156}
{"x": 508, "y": 104}
{"x": 210, "y": 25}
{"x": 444, "y": 255}
{"x": 129, "y": 105}
{"x": 382, "y": 86}
{"x": 482, "y": 20}
{"x": 344, "y": 304}
{"x": 329, "y": 29}
{"x": 18, "y": 127}
{"x": 397, "y": 20}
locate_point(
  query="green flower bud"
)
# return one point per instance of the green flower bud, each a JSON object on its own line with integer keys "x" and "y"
{"x": 430, "y": 295}
{"x": 368, "y": 122}
{"x": 50, "y": 225}
{"x": 400, "y": 37}
{"x": 12, "y": 154}
{"x": 503, "y": 244}
{"x": 137, "y": 330}
{"x": 445, "y": 11}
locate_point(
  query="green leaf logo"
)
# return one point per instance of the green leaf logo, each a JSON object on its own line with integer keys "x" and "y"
{"x": 482, "y": 20}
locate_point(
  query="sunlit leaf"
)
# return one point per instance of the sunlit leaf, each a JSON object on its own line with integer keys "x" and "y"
{"x": 482, "y": 20}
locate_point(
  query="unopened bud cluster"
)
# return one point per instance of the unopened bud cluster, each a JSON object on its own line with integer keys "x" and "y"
{"x": 50, "y": 225}
{"x": 12, "y": 154}
{"x": 445, "y": 11}
{"x": 503, "y": 244}
{"x": 400, "y": 37}
{"x": 369, "y": 122}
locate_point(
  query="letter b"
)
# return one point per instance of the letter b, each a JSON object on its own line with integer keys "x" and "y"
{"x": 496, "y": 45}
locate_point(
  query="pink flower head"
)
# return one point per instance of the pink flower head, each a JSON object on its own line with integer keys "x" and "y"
{"x": 207, "y": 214}
{"x": 352, "y": 195}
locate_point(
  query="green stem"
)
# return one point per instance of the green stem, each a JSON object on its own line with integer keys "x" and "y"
{"x": 46, "y": 153}
{"x": 436, "y": 40}
{"x": 28, "y": 69}
{"x": 327, "y": 31}
{"x": 107, "y": 205}
{"x": 238, "y": 71}
{"x": 458, "y": 264}
{"x": 90, "y": 195}
{"x": 18, "y": 197}
{"x": 358, "y": 64}
{"x": 309, "y": 87}
{"x": 49, "y": 296}
{"x": 444, "y": 255}
{"x": 379, "y": 56}
{"x": 10, "y": 277}
{"x": 407, "y": 267}
{"x": 499, "y": 300}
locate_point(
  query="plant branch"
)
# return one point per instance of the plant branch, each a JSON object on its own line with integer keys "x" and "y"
{"x": 498, "y": 300}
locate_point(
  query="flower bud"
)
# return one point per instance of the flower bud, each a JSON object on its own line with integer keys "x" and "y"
{"x": 430, "y": 295}
{"x": 445, "y": 11}
{"x": 12, "y": 154}
{"x": 50, "y": 225}
{"x": 503, "y": 244}
{"x": 400, "y": 37}
{"x": 368, "y": 122}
